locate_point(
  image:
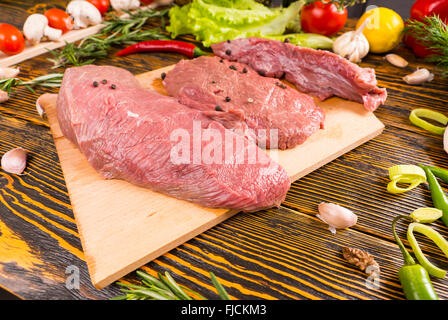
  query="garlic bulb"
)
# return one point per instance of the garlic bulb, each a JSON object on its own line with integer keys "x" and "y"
{"x": 14, "y": 161}
{"x": 336, "y": 217}
{"x": 352, "y": 45}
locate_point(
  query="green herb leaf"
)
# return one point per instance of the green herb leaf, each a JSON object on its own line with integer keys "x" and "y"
{"x": 433, "y": 33}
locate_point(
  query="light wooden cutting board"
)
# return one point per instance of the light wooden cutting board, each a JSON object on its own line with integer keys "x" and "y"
{"x": 122, "y": 226}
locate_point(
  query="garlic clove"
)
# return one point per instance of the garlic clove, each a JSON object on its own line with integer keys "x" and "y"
{"x": 43, "y": 100}
{"x": 3, "y": 96}
{"x": 336, "y": 217}
{"x": 419, "y": 76}
{"x": 396, "y": 60}
{"x": 8, "y": 73}
{"x": 14, "y": 161}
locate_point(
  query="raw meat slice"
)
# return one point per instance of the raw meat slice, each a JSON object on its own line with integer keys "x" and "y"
{"x": 126, "y": 132}
{"x": 235, "y": 95}
{"x": 318, "y": 72}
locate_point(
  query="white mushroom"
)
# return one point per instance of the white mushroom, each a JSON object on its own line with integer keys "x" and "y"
{"x": 36, "y": 27}
{"x": 84, "y": 14}
{"x": 159, "y": 3}
{"x": 120, "y": 5}
{"x": 8, "y": 73}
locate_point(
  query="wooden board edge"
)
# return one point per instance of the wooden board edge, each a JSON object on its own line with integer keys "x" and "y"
{"x": 44, "y": 47}
{"x": 104, "y": 282}
{"x": 336, "y": 155}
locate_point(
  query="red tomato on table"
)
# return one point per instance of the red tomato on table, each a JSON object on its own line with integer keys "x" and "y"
{"x": 59, "y": 19}
{"x": 321, "y": 18}
{"x": 101, "y": 5}
{"x": 11, "y": 39}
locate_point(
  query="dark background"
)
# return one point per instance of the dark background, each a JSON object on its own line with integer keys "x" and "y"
{"x": 401, "y": 6}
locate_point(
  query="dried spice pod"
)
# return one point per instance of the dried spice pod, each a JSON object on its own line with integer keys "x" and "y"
{"x": 361, "y": 259}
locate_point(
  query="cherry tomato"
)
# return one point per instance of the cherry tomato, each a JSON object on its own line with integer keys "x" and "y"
{"x": 321, "y": 18}
{"x": 11, "y": 39}
{"x": 101, "y": 5}
{"x": 59, "y": 19}
{"x": 147, "y": 1}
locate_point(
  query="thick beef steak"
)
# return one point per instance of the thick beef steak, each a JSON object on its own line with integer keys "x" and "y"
{"x": 237, "y": 96}
{"x": 127, "y": 132}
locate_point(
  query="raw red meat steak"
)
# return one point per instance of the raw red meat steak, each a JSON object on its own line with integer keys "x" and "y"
{"x": 237, "y": 96}
{"x": 126, "y": 131}
{"x": 318, "y": 72}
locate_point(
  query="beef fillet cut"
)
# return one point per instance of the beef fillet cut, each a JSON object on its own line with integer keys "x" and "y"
{"x": 131, "y": 133}
{"x": 238, "y": 97}
{"x": 318, "y": 72}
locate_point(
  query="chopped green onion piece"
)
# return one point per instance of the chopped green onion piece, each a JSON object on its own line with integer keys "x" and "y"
{"x": 410, "y": 174}
{"x": 417, "y": 115}
{"x": 426, "y": 215}
{"x": 436, "y": 237}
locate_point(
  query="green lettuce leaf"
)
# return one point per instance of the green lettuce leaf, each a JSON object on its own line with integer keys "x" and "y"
{"x": 212, "y": 21}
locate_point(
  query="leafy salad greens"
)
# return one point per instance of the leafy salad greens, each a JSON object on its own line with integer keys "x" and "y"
{"x": 212, "y": 21}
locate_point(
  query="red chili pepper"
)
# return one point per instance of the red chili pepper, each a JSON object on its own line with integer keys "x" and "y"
{"x": 188, "y": 49}
{"x": 419, "y": 10}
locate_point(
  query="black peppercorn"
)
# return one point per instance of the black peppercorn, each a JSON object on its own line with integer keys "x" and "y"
{"x": 227, "y": 99}
{"x": 112, "y": 86}
{"x": 221, "y": 61}
{"x": 218, "y": 108}
{"x": 228, "y": 52}
{"x": 232, "y": 67}
{"x": 163, "y": 75}
{"x": 228, "y": 41}
{"x": 244, "y": 70}
{"x": 95, "y": 83}
{"x": 281, "y": 85}
{"x": 104, "y": 81}
{"x": 286, "y": 40}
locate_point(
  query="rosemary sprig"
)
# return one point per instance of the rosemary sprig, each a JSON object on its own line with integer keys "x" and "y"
{"x": 433, "y": 33}
{"x": 117, "y": 31}
{"x": 52, "y": 80}
{"x": 164, "y": 288}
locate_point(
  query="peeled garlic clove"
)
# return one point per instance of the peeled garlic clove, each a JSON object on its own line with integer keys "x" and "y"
{"x": 3, "y": 96}
{"x": 418, "y": 77}
{"x": 336, "y": 217}
{"x": 396, "y": 60}
{"x": 14, "y": 161}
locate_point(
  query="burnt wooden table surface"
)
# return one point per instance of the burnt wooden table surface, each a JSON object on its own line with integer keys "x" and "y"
{"x": 284, "y": 253}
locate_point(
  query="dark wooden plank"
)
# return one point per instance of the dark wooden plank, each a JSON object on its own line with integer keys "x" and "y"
{"x": 38, "y": 234}
{"x": 282, "y": 254}
{"x": 274, "y": 254}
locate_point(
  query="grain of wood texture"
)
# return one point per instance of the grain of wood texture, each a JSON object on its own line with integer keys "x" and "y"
{"x": 34, "y": 257}
{"x": 112, "y": 250}
{"x": 225, "y": 249}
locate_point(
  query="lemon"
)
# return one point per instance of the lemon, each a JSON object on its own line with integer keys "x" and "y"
{"x": 384, "y": 30}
